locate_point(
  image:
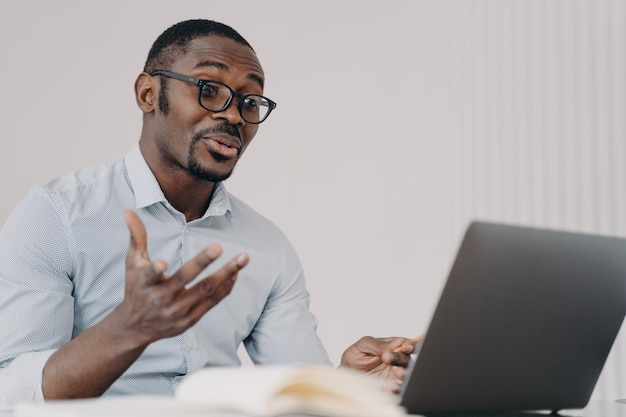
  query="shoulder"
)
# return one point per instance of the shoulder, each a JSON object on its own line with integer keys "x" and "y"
{"x": 85, "y": 178}
{"x": 84, "y": 192}
{"x": 249, "y": 228}
{"x": 244, "y": 215}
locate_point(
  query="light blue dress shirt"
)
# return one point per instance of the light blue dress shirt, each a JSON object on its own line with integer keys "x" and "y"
{"x": 62, "y": 254}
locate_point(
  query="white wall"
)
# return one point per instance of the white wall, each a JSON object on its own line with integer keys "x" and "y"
{"x": 398, "y": 122}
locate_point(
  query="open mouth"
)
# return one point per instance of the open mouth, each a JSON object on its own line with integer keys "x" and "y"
{"x": 226, "y": 149}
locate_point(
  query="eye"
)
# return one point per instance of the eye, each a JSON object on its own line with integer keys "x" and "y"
{"x": 252, "y": 102}
{"x": 210, "y": 90}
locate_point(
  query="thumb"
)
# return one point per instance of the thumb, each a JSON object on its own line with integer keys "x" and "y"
{"x": 137, "y": 254}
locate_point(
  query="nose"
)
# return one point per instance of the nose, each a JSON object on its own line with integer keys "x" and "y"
{"x": 231, "y": 114}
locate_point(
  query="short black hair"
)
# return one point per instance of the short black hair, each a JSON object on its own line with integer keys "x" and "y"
{"x": 174, "y": 42}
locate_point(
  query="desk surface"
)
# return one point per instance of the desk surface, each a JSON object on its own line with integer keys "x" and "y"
{"x": 597, "y": 408}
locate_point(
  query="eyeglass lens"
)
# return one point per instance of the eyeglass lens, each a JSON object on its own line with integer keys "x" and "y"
{"x": 214, "y": 97}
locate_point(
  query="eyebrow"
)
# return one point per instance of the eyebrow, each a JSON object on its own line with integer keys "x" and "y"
{"x": 224, "y": 67}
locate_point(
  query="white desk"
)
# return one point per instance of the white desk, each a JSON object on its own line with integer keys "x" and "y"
{"x": 594, "y": 409}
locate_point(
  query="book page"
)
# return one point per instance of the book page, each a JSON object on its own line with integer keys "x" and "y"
{"x": 273, "y": 391}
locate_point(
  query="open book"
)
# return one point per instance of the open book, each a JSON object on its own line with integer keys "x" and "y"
{"x": 249, "y": 391}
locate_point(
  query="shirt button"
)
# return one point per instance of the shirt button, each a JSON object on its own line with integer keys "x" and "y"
{"x": 4, "y": 364}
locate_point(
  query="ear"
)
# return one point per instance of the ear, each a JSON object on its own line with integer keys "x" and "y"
{"x": 146, "y": 92}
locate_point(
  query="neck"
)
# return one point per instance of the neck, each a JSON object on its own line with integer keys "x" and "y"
{"x": 192, "y": 198}
{"x": 186, "y": 193}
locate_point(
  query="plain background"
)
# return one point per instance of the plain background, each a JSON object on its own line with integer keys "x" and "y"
{"x": 398, "y": 122}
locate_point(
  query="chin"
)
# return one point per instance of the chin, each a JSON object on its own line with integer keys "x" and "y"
{"x": 209, "y": 175}
{"x": 205, "y": 172}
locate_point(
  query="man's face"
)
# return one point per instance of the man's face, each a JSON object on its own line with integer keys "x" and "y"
{"x": 207, "y": 144}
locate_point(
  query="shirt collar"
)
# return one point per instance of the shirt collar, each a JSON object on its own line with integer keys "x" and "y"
{"x": 148, "y": 191}
{"x": 142, "y": 180}
{"x": 220, "y": 203}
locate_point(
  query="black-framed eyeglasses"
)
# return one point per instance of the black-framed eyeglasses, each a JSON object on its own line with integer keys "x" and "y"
{"x": 215, "y": 96}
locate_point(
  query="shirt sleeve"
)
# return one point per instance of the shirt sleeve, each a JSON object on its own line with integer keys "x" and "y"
{"x": 36, "y": 303}
{"x": 286, "y": 330}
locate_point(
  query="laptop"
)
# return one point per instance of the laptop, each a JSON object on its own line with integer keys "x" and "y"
{"x": 525, "y": 322}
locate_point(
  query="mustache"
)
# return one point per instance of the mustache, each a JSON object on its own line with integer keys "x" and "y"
{"x": 221, "y": 128}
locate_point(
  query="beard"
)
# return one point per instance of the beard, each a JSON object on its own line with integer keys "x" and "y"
{"x": 193, "y": 165}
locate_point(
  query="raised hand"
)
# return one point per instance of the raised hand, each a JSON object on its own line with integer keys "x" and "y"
{"x": 156, "y": 306}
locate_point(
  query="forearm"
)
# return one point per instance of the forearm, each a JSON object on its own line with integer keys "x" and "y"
{"x": 92, "y": 362}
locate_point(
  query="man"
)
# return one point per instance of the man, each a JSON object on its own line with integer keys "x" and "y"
{"x": 72, "y": 326}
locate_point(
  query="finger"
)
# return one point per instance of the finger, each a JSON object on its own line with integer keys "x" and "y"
{"x": 137, "y": 254}
{"x": 153, "y": 272}
{"x": 372, "y": 346}
{"x": 211, "y": 290}
{"x": 405, "y": 347}
{"x": 396, "y": 359}
{"x": 400, "y": 373}
{"x": 408, "y": 346}
{"x": 193, "y": 267}
{"x": 223, "y": 279}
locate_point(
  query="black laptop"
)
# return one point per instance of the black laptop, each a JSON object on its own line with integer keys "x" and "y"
{"x": 524, "y": 323}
